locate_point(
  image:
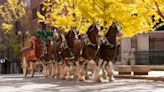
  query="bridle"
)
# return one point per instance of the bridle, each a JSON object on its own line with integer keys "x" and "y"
{"x": 115, "y": 46}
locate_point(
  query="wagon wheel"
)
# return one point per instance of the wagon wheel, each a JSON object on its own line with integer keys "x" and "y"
{"x": 24, "y": 66}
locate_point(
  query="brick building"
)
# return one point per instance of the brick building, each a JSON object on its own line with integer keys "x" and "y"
{"x": 156, "y": 40}
{"x": 2, "y": 1}
{"x": 35, "y": 6}
{"x": 149, "y": 48}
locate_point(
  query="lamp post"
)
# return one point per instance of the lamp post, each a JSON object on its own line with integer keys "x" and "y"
{"x": 21, "y": 37}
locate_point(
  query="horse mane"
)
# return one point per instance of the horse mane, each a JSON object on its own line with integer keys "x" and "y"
{"x": 88, "y": 31}
{"x": 111, "y": 34}
{"x": 111, "y": 28}
{"x": 67, "y": 35}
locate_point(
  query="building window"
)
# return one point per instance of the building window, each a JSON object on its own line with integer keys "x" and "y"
{"x": 34, "y": 11}
{"x": 152, "y": 43}
{"x": 43, "y": 12}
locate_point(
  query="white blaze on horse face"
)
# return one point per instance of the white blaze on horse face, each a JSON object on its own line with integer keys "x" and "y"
{"x": 76, "y": 35}
{"x": 118, "y": 40}
{"x": 100, "y": 33}
{"x": 56, "y": 35}
{"x": 51, "y": 42}
{"x": 98, "y": 27}
{"x": 118, "y": 27}
{"x": 63, "y": 38}
{"x": 99, "y": 30}
{"x": 119, "y": 35}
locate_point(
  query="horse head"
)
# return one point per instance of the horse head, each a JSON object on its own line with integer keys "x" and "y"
{"x": 71, "y": 37}
{"x": 113, "y": 35}
{"x": 94, "y": 33}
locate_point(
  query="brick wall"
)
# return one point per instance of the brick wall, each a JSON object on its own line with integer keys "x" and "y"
{"x": 156, "y": 40}
{"x": 35, "y": 6}
{"x": 2, "y": 1}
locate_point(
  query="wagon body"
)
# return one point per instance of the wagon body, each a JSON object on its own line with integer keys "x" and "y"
{"x": 33, "y": 51}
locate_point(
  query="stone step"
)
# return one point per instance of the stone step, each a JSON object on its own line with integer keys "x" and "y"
{"x": 136, "y": 69}
{"x": 123, "y": 69}
{"x": 140, "y": 69}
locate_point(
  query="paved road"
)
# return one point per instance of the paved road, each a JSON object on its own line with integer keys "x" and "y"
{"x": 16, "y": 83}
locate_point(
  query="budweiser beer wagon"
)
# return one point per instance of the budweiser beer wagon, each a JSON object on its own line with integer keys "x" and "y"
{"x": 31, "y": 54}
{"x": 71, "y": 55}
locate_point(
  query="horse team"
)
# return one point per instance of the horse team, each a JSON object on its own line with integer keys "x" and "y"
{"x": 73, "y": 56}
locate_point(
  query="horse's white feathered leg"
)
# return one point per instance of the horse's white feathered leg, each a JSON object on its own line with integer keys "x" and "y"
{"x": 110, "y": 71}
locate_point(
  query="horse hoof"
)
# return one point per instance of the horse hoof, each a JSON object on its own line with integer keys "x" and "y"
{"x": 25, "y": 76}
{"x": 98, "y": 80}
{"x": 81, "y": 80}
{"x": 63, "y": 78}
{"x": 87, "y": 77}
{"x": 52, "y": 76}
{"x": 111, "y": 79}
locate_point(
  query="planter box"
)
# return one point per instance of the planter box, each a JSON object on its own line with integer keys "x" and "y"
{"x": 141, "y": 69}
{"x": 123, "y": 69}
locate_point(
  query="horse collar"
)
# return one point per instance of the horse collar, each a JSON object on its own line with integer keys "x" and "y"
{"x": 88, "y": 42}
{"x": 106, "y": 41}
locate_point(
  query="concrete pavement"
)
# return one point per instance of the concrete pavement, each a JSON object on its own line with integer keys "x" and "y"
{"x": 152, "y": 75}
{"x": 17, "y": 83}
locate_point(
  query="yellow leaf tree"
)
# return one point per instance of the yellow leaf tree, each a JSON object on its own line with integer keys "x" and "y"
{"x": 135, "y": 16}
{"x": 11, "y": 12}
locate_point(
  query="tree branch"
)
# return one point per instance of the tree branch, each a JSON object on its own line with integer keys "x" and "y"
{"x": 149, "y": 5}
{"x": 158, "y": 10}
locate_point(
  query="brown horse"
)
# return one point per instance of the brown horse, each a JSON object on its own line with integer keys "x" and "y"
{"x": 30, "y": 55}
{"x": 64, "y": 57}
{"x": 48, "y": 58}
{"x": 56, "y": 52}
{"x": 75, "y": 45}
{"x": 110, "y": 44}
{"x": 86, "y": 48}
{"x": 109, "y": 49}
{"x": 91, "y": 47}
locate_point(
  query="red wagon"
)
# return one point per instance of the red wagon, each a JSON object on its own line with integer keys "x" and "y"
{"x": 33, "y": 52}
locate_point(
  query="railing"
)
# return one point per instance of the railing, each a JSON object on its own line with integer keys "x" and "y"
{"x": 152, "y": 57}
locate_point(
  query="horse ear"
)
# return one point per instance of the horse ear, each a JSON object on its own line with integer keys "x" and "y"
{"x": 78, "y": 32}
{"x": 102, "y": 27}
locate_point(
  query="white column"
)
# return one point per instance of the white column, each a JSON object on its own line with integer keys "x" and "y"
{"x": 0, "y": 68}
{"x": 125, "y": 48}
{"x": 143, "y": 42}
{"x": 143, "y": 45}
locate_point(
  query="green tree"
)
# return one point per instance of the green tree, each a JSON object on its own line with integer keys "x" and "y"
{"x": 11, "y": 15}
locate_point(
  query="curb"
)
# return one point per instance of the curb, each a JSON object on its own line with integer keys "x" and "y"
{"x": 140, "y": 77}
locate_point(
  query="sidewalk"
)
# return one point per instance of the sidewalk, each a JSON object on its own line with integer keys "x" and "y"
{"x": 153, "y": 75}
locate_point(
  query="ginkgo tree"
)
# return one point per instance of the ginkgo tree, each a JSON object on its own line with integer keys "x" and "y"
{"x": 138, "y": 17}
{"x": 10, "y": 13}
{"x": 63, "y": 14}
{"x": 135, "y": 16}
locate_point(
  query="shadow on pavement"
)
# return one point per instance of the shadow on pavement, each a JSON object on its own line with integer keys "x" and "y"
{"x": 39, "y": 84}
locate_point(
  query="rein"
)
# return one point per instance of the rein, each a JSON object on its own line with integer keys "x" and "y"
{"x": 115, "y": 54}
